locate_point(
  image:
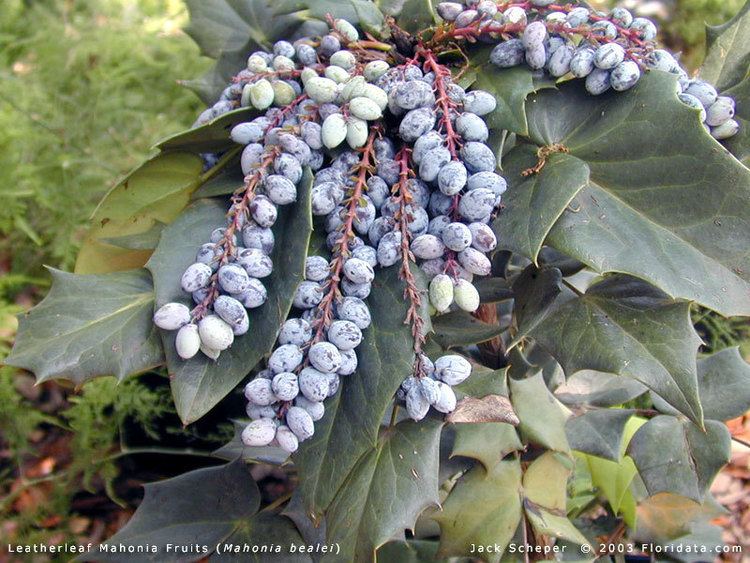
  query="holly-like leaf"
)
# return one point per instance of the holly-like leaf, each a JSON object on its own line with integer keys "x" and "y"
{"x": 155, "y": 192}
{"x": 598, "y": 389}
{"x": 363, "y": 13}
{"x": 664, "y": 203}
{"x": 666, "y": 516}
{"x": 198, "y": 384}
{"x": 483, "y": 381}
{"x": 724, "y": 384}
{"x": 728, "y": 51}
{"x": 225, "y": 182}
{"x": 386, "y": 491}
{"x": 534, "y": 203}
{"x": 542, "y": 418}
{"x": 739, "y": 145}
{"x": 411, "y": 15}
{"x": 510, "y": 87}
{"x": 675, "y": 456}
{"x": 348, "y": 432}
{"x": 537, "y": 291}
{"x": 545, "y": 497}
{"x": 147, "y": 240}
{"x": 493, "y": 290}
{"x": 487, "y": 442}
{"x": 229, "y": 30}
{"x": 612, "y": 479}
{"x": 264, "y": 530}
{"x": 211, "y": 137}
{"x": 459, "y": 328}
{"x": 624, "y": 326}
{"x": 484, "y": 508}
{"x": 411, "y": 551}
{"x": 89, "y": 326}
{"x": 202, "y": 507}
{"x": 598, "y": 432}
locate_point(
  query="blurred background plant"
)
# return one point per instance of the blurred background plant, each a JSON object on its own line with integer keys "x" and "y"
{"x": 86, "y": 88}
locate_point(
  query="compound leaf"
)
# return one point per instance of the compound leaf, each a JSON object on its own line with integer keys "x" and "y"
{"x": 624, "y": 326}
{"x": 386, "y": 491}
{"x": 202, "y": 507}
{"x": 675, "y": 456}
{"x": 89, "y": 326}
{"x": 665, "y": 202}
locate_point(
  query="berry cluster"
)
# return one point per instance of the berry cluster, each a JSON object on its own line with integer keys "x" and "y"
{"x": 607, "y": 50}
{"x": 402, "y": 177}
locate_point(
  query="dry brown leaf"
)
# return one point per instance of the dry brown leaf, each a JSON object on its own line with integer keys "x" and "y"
{"x": 492, "y": 408}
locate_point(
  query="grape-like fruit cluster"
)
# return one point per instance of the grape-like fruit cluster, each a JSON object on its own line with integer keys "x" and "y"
{"x": 609, "y": 51}
{"x": 402, "y": 177}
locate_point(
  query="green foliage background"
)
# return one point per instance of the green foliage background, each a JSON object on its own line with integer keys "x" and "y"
{"x": 86, "y": 88}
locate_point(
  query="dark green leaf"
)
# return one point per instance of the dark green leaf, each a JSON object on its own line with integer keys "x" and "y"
{"x": 349, "y": 430}
{"x": 459, "y": 328}
{"x": 384, "y": 493}
{"x": 155, "y": 192}
{"x": 598, "y": 389}
{"x": 553, "y": 259}
{"x": 363, "y": 13}
{"x": 147, "y": 240}
{"x": 598, "y": 432}
{"x": 728, "y": 51}
{"x": 202, "y": 507}
{"x": 211, "y": 137}
{"x": 665, "y": 203}
{"x": 411, "y": 15}
{"x": 542, "y": 417}
{"x": 483, "y": 381}
{"x": 198, "y": 384}
{"x": 225, "y": 182}
{"x": 483, "y": 509}
{"x": 229, "y": 30}
{"x": 533, "y": 204}
{"x": 624, "y": 326}
{"x": 675, "y": 456}
{"x": 510, "y": 87}
{"x": 739, "y": 145}
{"x": 89, "y": 326}
{"x": 487, "y": 442}
{"x": 492, "y": 290}
{"x": 412, "y": 551}
{"x": 265, "y": 530}
{"x": 537, "y": 292}
{"x": 724, "y": 384}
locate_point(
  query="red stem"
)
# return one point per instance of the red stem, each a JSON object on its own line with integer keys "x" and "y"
{"x": 443, "y": 101}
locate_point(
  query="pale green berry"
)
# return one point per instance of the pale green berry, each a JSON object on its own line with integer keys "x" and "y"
{"x": 321, "y": 90}
{"x": 466, "y": 296}
{"x": 365, "y": 108}
{"x": 334, "y": 130}
{"x": 441, "y": 292}
{"x": 347, "y": 30}
{"x": 377, "y": 95}
{"x": 353, "y": 88}
{"x": 356, "y": 132}
{"x": 375, "y": 69}
{"x": 261, "y": 94}
{"x": 283, "y": 93}
{"x": 281, "y": 62}
{"x": 215, "y": 333}
{"x": 307, "y": 74}
{"x": 188, "y": 341}
{"x": 259, "y": 432}
{"x": 256, "y": 64}
{"x": 344, "y": 59}
{"x": 337, "y": 74}
{"x": 210, "y": 352}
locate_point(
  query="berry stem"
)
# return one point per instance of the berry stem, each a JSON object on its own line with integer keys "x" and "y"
{"x": 241, "y": 200}
{"x": 443, "y": 101}
{"x": 341, "y": 250}
{"x": 411, "y": 291}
